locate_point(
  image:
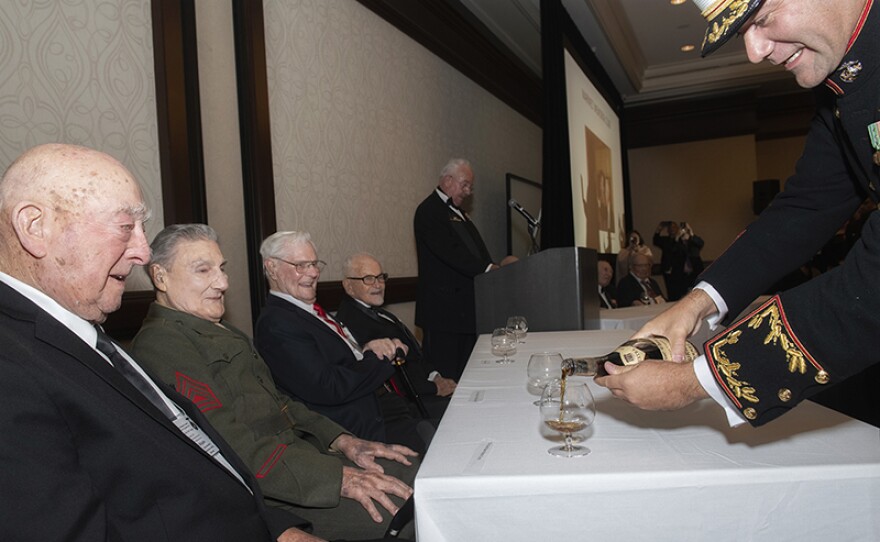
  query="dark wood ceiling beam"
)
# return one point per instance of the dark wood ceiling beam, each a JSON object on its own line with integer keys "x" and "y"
{"x": 714, "y": 117}
{"x": 450, "y": 31}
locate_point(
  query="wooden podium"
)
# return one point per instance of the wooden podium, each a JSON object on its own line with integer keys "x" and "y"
{"x": 555, "y": 289}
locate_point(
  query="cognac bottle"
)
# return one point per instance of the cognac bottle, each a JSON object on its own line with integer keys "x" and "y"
{"x": 631, "y": 352}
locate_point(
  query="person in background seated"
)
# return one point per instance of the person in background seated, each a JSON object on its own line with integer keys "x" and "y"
{"x": 607, "y": 291}
{"x": 93, "y": 448}
{"x": 680, "y": 261}
{"x": 634, "y": 243}
{"x": 303, "y": 461}
{"x": 362, "y": 313}
{"x": 316, "y": 360}
{"x": 637, "y": 287}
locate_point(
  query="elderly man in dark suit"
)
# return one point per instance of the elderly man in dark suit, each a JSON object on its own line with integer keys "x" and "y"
{"x": 362, "y": 313}
{"x": 316, "y": 360}
{"x": 450, "y": 253}
{"x": 638, "y": 288}
{"x": 607, "y": 290}
{"x": 92, "y": 447}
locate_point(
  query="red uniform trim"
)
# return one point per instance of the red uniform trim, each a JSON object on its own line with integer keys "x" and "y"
{"x": 860, "y": 24}
{"x": 273, "y": 459}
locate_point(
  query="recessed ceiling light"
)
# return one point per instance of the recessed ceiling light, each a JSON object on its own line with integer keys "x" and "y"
{"x": 686, "y": 48}
{"x": 677, "y": 2}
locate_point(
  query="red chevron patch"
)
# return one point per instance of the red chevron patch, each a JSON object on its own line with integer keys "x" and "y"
{"x": 197, "y": 392}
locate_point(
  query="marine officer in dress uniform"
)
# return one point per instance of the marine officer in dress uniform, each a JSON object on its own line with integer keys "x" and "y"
{"x": 808, "y": 338}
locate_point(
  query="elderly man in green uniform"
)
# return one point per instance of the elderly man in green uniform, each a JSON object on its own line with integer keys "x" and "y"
{"x": 302, "y": 460}
{"x": 825, "y": 330}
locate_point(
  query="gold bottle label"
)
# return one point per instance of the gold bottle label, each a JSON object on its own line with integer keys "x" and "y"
{"x": 690, "y": 351}
{"x": 630, "y": 355}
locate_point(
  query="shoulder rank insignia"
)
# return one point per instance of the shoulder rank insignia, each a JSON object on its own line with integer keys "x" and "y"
{"x": 198, "y": 392}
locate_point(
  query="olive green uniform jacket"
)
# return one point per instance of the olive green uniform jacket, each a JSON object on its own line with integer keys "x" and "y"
{"x": 285, "y": 444}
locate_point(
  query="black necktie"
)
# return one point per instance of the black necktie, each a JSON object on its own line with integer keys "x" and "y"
{"x": 106, "y": 347}
{"x": 183, "y": 423}
{"x": 414, "y": 343}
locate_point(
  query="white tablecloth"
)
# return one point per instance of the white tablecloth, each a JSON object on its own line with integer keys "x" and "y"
{"x": 813, "y": 474}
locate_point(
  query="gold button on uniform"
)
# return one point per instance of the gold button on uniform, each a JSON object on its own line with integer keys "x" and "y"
{"x": 750, "y": 413}
{"x": 785, "y": 395}
{"x": 837, "y": 112}
{"x": 822, "y": 377}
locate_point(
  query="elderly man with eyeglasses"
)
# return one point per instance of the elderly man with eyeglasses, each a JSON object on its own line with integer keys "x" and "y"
{"x": 316, "y": 360}
{"x": 362, "y": 313}
{"x": 450, "y": 253}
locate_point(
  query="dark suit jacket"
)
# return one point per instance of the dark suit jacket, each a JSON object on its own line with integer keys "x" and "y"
{"x": 366, "y": 325}
{"x": 611, "y": 294}
{"x": 313, "y": 364}
{"x": 629, "y": 289}
{"x": 87, "y": 457}
{"x": 450, "y": 254}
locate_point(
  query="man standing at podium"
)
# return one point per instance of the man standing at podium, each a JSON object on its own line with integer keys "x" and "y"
{"x": 450, "y": 253}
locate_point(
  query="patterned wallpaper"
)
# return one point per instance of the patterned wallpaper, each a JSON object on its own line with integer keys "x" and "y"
{"x": 81, "y": 71}
{"x": 363, "y": 119}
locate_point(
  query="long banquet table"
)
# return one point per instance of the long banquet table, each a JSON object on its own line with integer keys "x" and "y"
{"x": 813, "y": 474}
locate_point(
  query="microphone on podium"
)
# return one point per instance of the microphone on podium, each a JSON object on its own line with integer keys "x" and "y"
{"x": 513, "y": 204}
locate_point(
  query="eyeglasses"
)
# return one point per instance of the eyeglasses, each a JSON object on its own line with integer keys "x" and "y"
{"x": 464, "y": 182}
{"x": 302, "y": 267}
{"x": 370, "y": 280}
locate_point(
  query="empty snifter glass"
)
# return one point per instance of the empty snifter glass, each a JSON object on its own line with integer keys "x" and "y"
{"x": 543, "y": 368}
{"x": 520, "y": 326}
{"x": 503, "y": 344}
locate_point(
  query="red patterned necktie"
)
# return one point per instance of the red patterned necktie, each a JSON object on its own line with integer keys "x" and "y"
{"x": 326, "y": 317}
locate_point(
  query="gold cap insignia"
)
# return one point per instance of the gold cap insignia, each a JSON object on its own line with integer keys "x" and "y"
{"x": 725, "y": 17}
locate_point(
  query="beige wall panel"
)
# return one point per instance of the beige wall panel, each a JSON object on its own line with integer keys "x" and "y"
{"x": 707, "y": 183}
{"x": 777, "y": 157}
{"x": 81, "y": 72}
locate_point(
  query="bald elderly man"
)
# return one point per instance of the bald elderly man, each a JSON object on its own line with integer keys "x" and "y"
{"x": 92, "y": 447}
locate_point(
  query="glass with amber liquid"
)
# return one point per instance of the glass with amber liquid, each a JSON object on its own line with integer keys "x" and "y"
{"x": 568, "y": 407}
{"x": 632, "y": 352}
